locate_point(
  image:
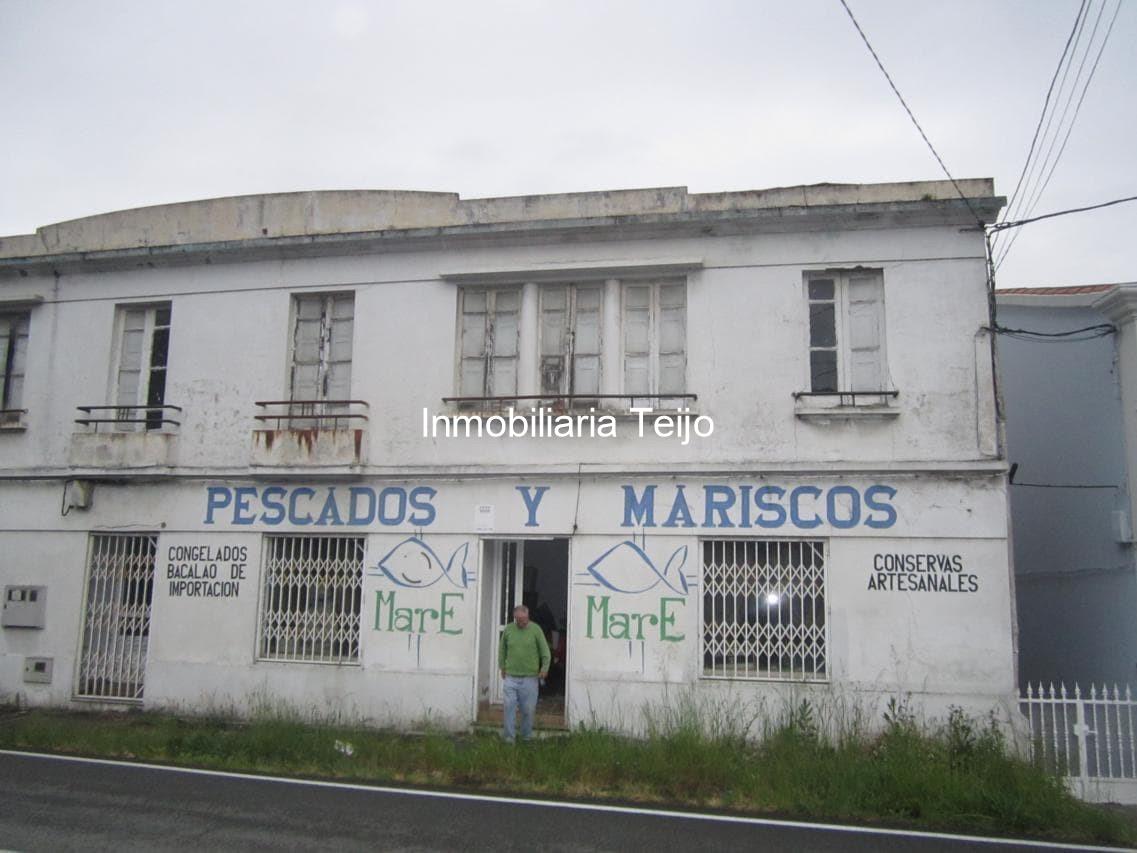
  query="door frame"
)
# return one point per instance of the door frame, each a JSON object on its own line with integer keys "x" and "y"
{"x": 489, "y": 572}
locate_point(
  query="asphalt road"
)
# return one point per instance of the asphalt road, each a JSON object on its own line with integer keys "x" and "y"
{"x": 52, "y": 804}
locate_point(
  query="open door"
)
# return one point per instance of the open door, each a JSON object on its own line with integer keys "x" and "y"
{"x": 532, "y": 572}
{"x": 503, "y": 587}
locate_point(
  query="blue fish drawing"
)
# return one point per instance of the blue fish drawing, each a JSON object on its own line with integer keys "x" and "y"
{"x": 413, "y": 563}
{"x": 627, "y": 568}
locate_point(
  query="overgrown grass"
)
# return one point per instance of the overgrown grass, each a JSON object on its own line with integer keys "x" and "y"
{"x": 957, "y": 777}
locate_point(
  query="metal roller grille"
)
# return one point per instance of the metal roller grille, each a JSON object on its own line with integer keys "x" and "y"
{"x": 310, "y": 603}
{"x": 116, "y": 625}
{"x": 764, "y": 610}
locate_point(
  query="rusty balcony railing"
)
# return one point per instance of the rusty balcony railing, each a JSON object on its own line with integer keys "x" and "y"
{"x": 613, "y": 403}
{"x": 310, "y": 414}
{"x": 129, "y": 418}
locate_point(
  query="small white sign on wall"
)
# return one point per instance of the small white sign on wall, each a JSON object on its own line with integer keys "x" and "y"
{"x": 484, "y": 518}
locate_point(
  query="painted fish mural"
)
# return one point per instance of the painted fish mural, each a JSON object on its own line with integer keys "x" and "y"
{"x": 627, "y": 568}
{"x": 414, "y": 564}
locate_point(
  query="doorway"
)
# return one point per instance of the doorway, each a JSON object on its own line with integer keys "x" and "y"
{"x": 533, "y": 572}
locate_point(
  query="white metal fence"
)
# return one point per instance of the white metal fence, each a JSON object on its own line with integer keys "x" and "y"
{"x": 1087, "y": 736}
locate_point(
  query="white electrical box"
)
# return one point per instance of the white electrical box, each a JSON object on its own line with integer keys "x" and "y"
{"x": 38, "y": 670}
{"x": 24, "y": 607}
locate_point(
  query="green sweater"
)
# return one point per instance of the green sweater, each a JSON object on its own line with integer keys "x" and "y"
{"x": 523, "y": 651}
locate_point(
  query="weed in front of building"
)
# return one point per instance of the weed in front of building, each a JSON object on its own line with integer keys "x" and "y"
{"x": 959, "y": 775}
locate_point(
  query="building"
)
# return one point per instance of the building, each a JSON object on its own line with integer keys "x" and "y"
{"x": 735, "y": 448}
{"x": 1068, "y": 367}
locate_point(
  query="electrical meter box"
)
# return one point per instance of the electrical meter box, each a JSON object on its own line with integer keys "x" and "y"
{"x": 24, "y": 607}
{"x": 38, "y": 670}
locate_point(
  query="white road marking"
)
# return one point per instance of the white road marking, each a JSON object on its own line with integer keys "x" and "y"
{"x": 554, "y": 804}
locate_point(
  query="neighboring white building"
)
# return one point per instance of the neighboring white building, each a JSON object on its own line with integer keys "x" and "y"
{"x": 216, "y": 491}
{"x": 1071, "y": 421}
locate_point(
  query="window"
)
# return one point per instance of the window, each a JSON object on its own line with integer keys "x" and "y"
{"x": 603, "y": 343}
{"x": 13, "y": 358}
{"x": 116, "y": 622}
{"x": 310, "y": 601}
{"x": 655, "y": 338}
{"x": 764, "y": 610}
{"x": 321, "y": 347}
{"x": 489, "y": 347}
{"x": 846, "y": 331}
{"x": 570, "y": 339}
{"x": 140, "y": 381}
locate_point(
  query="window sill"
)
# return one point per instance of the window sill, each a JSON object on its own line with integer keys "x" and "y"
{"x": 13, "y": 426}
{"x": 769, "y": 678}
{"x": 859, "y": 405}
{"x": 616, "y": 405}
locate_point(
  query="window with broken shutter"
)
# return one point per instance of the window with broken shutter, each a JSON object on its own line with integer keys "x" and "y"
{"x": 13, "y": 358}
{"x": 140, "y": 374}
{"x": 655, "y": 340}
{"x": 489, "y": 346}
{"x": 321, "y": 350}
{"x": 570, "y": 340}
{"x": 846, "y": 331}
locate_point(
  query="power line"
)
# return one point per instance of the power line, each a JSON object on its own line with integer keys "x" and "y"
{"x": 1033, "y": 202}
{"x": 1104, "y": 328}
{"x": 1044, "y": 173}
{"x": 1045, "y": 105}
{"x": 1003, "y": 226}
{"x": 904, "y": 104}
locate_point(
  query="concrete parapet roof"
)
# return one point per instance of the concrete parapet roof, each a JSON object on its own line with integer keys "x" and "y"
{"x": 262, "y": 219}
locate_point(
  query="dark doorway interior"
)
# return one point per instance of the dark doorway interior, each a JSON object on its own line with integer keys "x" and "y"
{"x": 546, "y": 596}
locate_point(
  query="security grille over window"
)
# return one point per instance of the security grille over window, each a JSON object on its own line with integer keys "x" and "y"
{"x": 116, "y": 627}
{"x": 764, "y": 610}
{"x": 311, "y": 598}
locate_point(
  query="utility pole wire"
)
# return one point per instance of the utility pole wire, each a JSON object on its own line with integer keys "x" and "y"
{"x": 1070, "y": 129}
{"x": 904, "y": 104}
{"x": 1045, "y": 105}
{"x": 1002, "y": 226}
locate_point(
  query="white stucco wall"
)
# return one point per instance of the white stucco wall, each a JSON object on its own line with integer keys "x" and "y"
{"x": 936, "y": 472}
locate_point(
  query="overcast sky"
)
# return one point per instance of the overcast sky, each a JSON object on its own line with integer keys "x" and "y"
{"x": 114, "y": 105}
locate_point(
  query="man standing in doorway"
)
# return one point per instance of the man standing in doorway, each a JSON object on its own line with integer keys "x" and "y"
{"x": 523, "y": 658}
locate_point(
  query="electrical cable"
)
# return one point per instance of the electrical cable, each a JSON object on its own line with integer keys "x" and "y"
{"x": 1033, "y": 202}
{"x": 1045, "y": 105}
{"x": 1037, "y": 195}
{"x": 1079, "y": 27}
{"x": 904, "y": 104}
{"x": 1002, "y": 226}
{"x": 1108, "y": 328}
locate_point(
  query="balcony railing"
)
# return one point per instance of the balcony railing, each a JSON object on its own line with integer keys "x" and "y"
{"x": 573, "y": 402}
{"x": 129, "y": 418}
{"x": 847, "y": 397}
{"x": 311, "y": 414}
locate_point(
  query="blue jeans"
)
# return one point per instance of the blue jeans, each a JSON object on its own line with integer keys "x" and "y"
{"x": 520, "y": 691}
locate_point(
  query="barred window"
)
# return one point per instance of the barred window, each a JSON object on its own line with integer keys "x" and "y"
{"x": 116, "y": 620}
{"x": 764, "y": 610}
{"x": 310, "y": 601}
